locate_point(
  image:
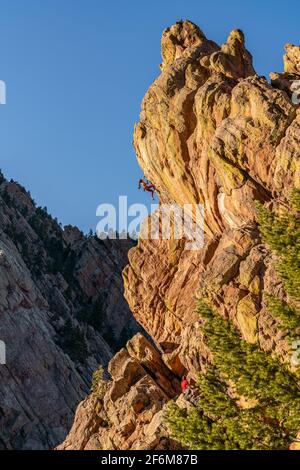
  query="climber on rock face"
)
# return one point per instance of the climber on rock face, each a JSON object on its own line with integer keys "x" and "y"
{"x": 184, "y": 385}
{"x": 188, "y": 391}
{"x": 150, "y": 188}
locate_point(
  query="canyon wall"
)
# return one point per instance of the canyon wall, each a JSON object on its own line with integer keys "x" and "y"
{"x": 211, "y": 132}
{"x": 62, "y": 312}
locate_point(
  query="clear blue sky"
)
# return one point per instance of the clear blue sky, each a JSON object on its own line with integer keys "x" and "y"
{"x": 76, "y": 71}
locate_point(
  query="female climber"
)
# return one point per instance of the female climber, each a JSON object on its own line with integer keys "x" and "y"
{"x": 150, "y": 188}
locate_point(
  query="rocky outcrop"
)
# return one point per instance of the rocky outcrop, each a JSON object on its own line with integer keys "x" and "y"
{"x": 131, "y": 414}
{"x": 211, "y": 132}
{"x": 289, "y": 80}
{"x": 62, "y": 312}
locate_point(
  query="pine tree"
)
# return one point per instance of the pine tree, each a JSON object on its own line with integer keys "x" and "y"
{"x": 281, "y": 232}
{"x": 217, "y": 421}
{"x": 99, "y": 384}
{"x": 273, "y": 417}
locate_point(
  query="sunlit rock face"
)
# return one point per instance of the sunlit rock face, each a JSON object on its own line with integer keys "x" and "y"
{"x": 130, "y": 416}
{"x": 211, "y": 132}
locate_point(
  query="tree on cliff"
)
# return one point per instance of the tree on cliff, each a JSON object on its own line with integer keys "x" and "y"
{"x": 241, "y": 372}
{"x": 282, "y": 233}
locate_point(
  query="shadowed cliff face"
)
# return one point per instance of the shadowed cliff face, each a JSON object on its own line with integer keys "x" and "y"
{"x": 62, "y": 312}
{"x": 212, "y": 132}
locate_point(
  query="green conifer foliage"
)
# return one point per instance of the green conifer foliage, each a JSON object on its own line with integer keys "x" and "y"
{"x": 282, "y": 233}
{"x": 99, "y": 384}
{"x": 239, "y": 369}
{"x": 217, "y": 421}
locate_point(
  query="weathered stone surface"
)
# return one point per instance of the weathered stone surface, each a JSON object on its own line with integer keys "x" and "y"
{"x": 132, "y": 419}
{"x": 289, "y": 80}
{"x": 292, "y": 59}
{"x": 49, "y": 278}
{"x": 246, "y": 317}
{"x": 211, "y": 131}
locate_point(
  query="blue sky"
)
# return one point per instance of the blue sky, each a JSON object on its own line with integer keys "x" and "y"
{"x": 76, "y": 72}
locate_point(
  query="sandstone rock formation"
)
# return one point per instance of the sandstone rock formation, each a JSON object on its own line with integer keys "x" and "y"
{"x": 211, "y": 132}
{"x": 62, "y": 312}
{"x": 130, "y": 416}
{"x": 289, "y": 80}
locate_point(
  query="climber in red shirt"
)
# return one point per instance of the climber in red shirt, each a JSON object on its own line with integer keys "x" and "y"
{"x": 150, "y": 188}
{"x": 184, "y": 385}
{"x": 188, "y": 390}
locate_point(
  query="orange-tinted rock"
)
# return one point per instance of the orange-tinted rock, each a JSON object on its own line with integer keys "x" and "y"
{"x": 130, "y": 417}
{"x": 211, "y": 131}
